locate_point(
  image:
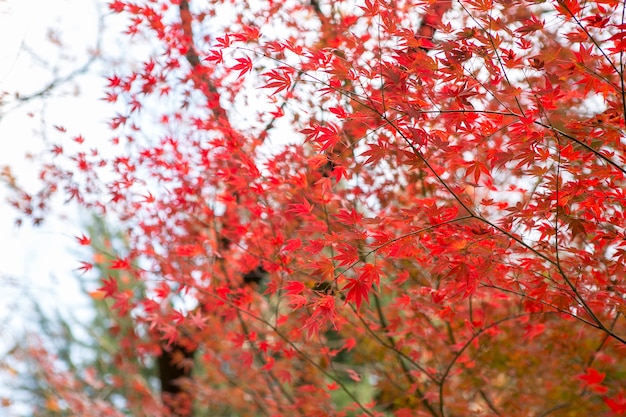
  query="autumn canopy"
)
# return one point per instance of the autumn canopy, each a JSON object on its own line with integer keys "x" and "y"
{"x": 361, "y": 208}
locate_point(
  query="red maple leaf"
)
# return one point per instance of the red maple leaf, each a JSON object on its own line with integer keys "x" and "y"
{"x": 117, "y": 6}
{"x": 120, "y": 263}
{"x": 244, "y": 66}
{"x": 358, "y": 290}
{"x": 292, "y": 245}
{"x": 110, "y": 287}
{"x": 83, "y": 240}
{"x": 294, "y": 287}
{"x": 280, "y": 80}
{"x": 347, "y": 255}
{"x": 591, "y": 377}
{"x": 86, "y": 267}
{"x": 617, "y": 404}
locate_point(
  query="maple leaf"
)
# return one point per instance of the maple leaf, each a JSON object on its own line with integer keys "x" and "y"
{"x": 119, "y": 263}
{"x": 83, "y": 240}
{"x": 188, "y": 250}
{"x": 340, "y": 112}
{"x": 303, "y": 209}
{"x": 177, "y": 317}
{"x": 591, "y": 377}
{"x": 198, "y": 320}
{"x": 328, "y": 136}
{"x": 297, "y": 301}
{"x": 371, "y": 273}
{"x": 215, "y": 56}
{"x": 616, "y": 404}
{"x": 324, "y": 312}
{"x": 332, "y": 386}
{"x": 163, "y": 290}
{"x": 478, "y": 168}
{"x": 223, "y": 292}
{"x": 280, "y": 80}
{"x": 85, "y": 267}
{"x": 57, "y": 150}
{"x": 358, "y": 290}
{"x": 292, "y": 245}
{"x": 375, "y": 153}
{"x": 347, "y": 254}
{"x": 371, "y": 8}
{"x": 117, "y": 6}
{"x": 351, "y": 217}
{"x": 244, "y": 66}
{"x": 278, "y": 112}
{"x": 339, "y": 172}
{"x": 250, "y": 33}
{"x": 349, "y": 344}
{"x": 149, "y": 198}
{"x": 568, "y": 8}
{"x": 530, "y": 25}
{"x": 110, "y": 287}
{"x": 311, "y": 132}
{"x": 534, "y": 330}
{"x": 169, "y": 334}
{"x": 403, "y": 301}
{"x": 294, "y": 287}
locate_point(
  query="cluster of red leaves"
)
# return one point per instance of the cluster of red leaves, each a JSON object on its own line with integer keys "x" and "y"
{"x": 446, "y": 220}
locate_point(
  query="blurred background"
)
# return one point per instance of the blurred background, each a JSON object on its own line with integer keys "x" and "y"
{"x": 52, "y": 59}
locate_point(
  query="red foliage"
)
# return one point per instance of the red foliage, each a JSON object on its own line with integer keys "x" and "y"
{"x": 445, "y": 224}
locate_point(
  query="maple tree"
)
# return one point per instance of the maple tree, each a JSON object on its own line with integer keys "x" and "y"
{"x": 441, "y": 234}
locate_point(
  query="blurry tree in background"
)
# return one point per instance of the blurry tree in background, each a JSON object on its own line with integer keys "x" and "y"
{"x": 45, "y": 70}
{"x": 357, "y": 208}
{"x": 80, "y": 357}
